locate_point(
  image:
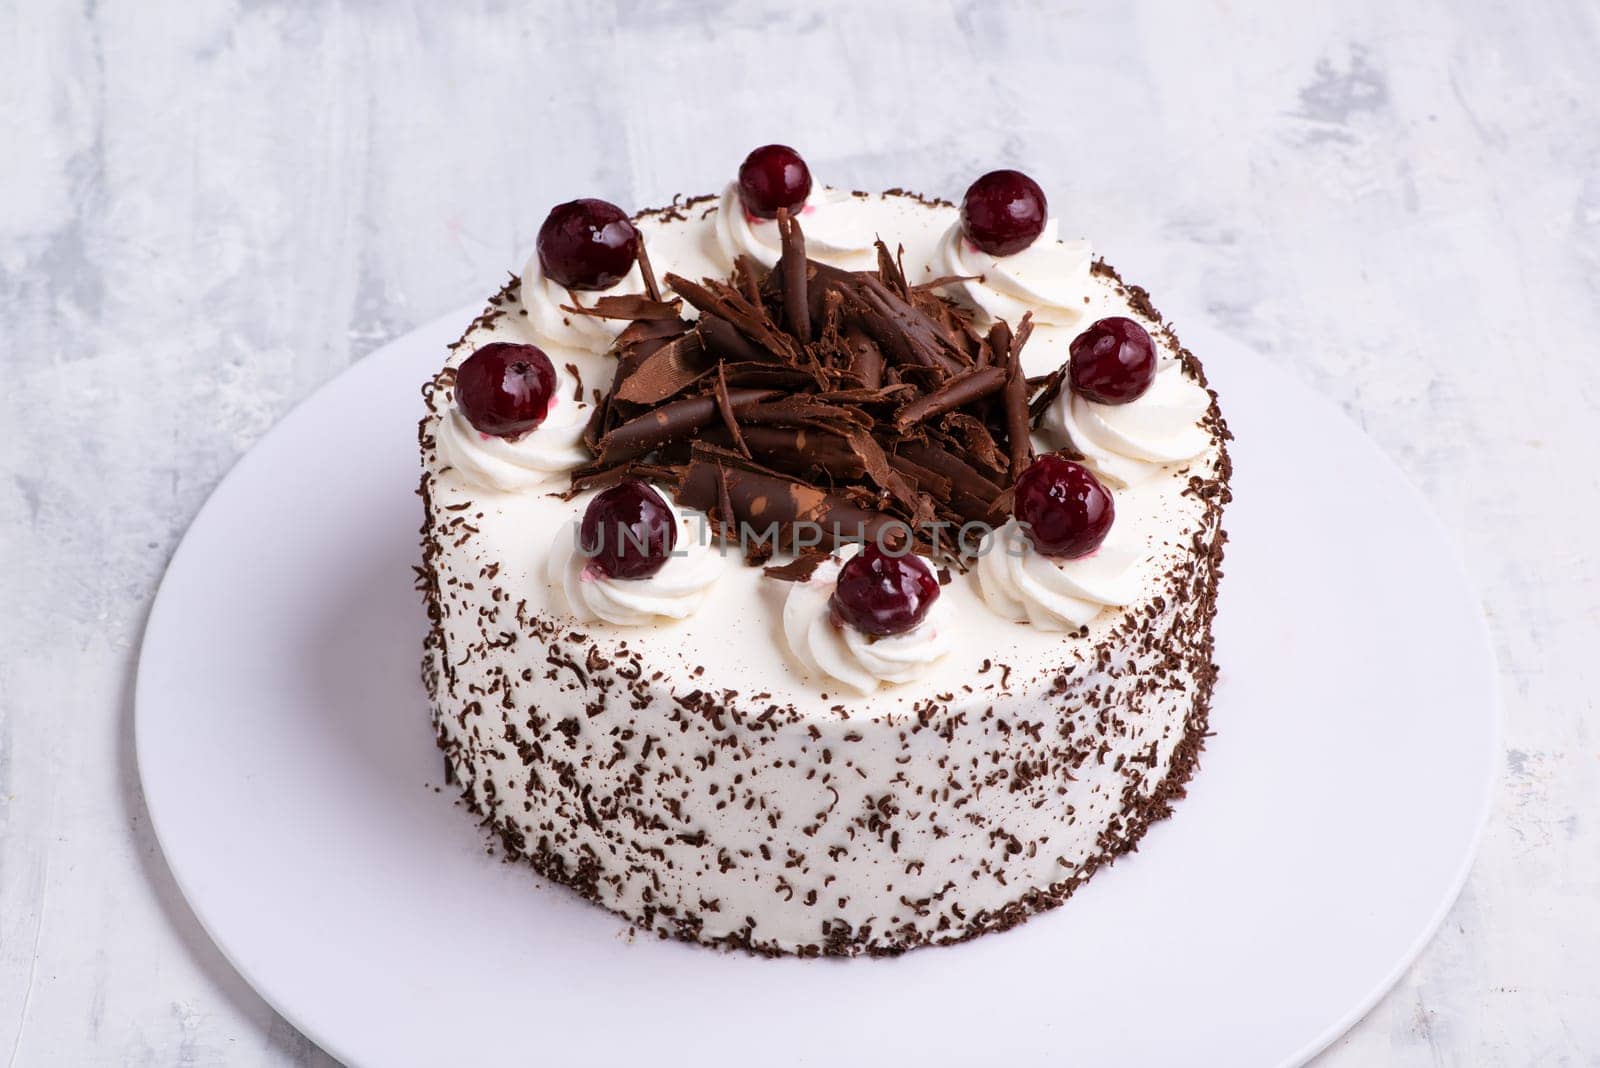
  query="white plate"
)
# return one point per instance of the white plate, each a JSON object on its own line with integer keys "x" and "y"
{"x": 284, "y": 745}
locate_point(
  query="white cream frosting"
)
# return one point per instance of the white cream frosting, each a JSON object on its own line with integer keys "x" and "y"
{"x": 545, "y": 300}
{"x": 1021, "y": 584}
{"x": 1050, "y": 277}
{"x": 1127, "y": 443}
{"x": 542, "y": 455}
{"x": 834, "y": 232}
{"x": 677, "y": 591}
{"x": 844, "y": 653}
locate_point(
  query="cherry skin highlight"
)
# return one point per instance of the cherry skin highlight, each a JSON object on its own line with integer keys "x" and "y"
{"x": 1113, "y": 362}
{"x": 587, "y": 244}
{"x": 628, "y": 531}
{"x": 1066, "y": 511}
{"x": 505, "y": 390}
{"x": 1003, "y": 212}
{"x": 883, "y": 595}
{"x": 773, "y": 177}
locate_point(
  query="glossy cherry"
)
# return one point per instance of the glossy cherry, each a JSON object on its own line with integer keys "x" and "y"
{"x": 628, "y": 531}
{"x": 880, "y": 594}
{"x": 1113, "y": 362}
{"x": 587, "y": 244}
{"x": 1066, "y": 511}
{"x": 773, "y": 177}
{"x": 1003, "y": 212}
{"x": 505, "y": 389}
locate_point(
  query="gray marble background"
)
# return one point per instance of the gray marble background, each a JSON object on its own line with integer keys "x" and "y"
{"x": 210, "y": 207}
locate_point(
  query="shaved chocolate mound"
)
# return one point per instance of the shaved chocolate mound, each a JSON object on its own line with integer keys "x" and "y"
{"x": 808, "y": 394}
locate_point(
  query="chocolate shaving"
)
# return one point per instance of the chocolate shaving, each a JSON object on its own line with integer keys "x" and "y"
{"x": 662, "y": 374}
{"x": 906, "y": 334}
{"x": 800, "y": 569}
{"x": 634, "y": 306}
{"x": 729, "y": 418}
{"x": 799, "y": 451}
{"x": 866, "y": 358}
{"x": 1020, "y": 448}
{"x": 954, "y": 393}
{"x": 652, "y": 290}
{"x": 1044, "y": 390}
{"x": 725, "y": 343}
{"x": 673, "y": 421}
{"x": 768, "y": 503}
{"x": 792, "y": 265}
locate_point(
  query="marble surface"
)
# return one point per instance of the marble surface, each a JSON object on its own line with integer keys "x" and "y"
{"x": 209, "y": 207}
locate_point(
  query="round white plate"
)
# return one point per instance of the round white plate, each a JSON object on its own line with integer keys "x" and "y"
{"x": 289, "y": 765}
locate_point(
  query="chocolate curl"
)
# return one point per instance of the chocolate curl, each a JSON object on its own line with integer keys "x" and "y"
{"x": 724, "y": 507}
{"x": 761, "y": 499}
{"x": 906, "y": 334}
{"x": 672, "y": 421}
{"x": 766, "y": 376}
{"x": 661, "y": 374}
{"x": 953, "y": 394}
{"x": 844, "y": 426}
{"x": 942, "y": 281}
{"x": 1015, "y": 397}
{"x": 747, "y": 280}
{"x": 643, "y": 336}
{"x": 975, "y": 442}
{"x": 892, "y": 268}
{"x": 927, "y": 481}
{"x": 645, "y": 272}
{"x": 827, "y": 307}
{"x": 725, "y": 406}
{"x": 971, "y": 494}
{"x": 595, "y": 427}
{"x": 880, "y": 395}
{"x": 725, "y": 343}
{"x": 997, "y": 344}
{"x": 799, "y": 569}
{"x": 798, "y": 450}
{"x": 801, "y": 410}
{"x": 878, "y": 468}
{"x": 750, "y": 317}
{"x": 792, "y": 270}
{"x": 866, "y": 359}
{"x": 635, "y": 306}
{"x": 1044, "y": 391}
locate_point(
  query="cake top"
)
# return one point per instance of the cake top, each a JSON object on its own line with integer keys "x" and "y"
{"x": 894, "y": 407}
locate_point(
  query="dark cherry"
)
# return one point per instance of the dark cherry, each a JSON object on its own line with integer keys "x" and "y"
{"x": 628, "y": 531}
{"x": 587, "y": 244}
{"x": 505, "y": 389}
{"x": 1113, "y": 362}
{"x": 880, "y": 594}
{"x": 773, "y": 177}
{"x": 1065, "y": 508}
{"x": 1003, "y": 212}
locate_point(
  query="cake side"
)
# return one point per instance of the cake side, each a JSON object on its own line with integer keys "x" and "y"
{"x": 702, "y": 803}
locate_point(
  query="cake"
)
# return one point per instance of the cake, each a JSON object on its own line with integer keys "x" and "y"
{"x": 819, "y": 572}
